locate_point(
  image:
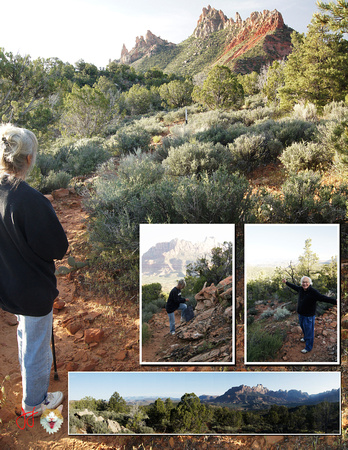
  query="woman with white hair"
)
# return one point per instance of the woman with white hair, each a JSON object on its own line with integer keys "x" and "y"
{"x": 31, "y": 238}
{"x": 306, "y": 305}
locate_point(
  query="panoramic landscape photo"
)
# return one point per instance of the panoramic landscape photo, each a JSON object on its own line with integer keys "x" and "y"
{"x": 177, "y": 112}
{"x": 204, "y": 403}
{"x": 287, "y": 320}
{"x": 187, "y": 293}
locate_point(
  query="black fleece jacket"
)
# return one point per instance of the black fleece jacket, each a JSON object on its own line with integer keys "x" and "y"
{"x": 174, "y": 300}
{"x": 307, "y": 299}
{"x": 31, "y": 237}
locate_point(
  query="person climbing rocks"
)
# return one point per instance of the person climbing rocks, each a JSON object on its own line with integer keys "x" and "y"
{"x": 176, "y": 302}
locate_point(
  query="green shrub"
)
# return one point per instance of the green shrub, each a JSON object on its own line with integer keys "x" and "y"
{"x": 74, "y": 157}
{"x": 266, "y": 314}
{"x": 281, "y": 313}
{"x": 305, "y": 111}
{"x": 54, "y": 181}
{"x": 145, "y": 333}
{"x": 196, "y": 157}
{"x": 304, "y": 200}
{"x": 306, "y": 156}
{"x": 263, "y": 345}
{"x": 139, "y": 171}
{"x": 76, "y": 425}
{"x": 86, "y": 156}
{"x": 130, "y": 139}
{"x": 151, "y": 124}
{"x": 291, "y": 131}
{"x": 252, "y": 311}
{"x": 335, "y": 111}
{"x": 250, "y": 320}
{"x": 218, "y": 133}
{"x": 141, "y": 193}
{"x": 219, "y": 198}
{"x": 250, "y": 151}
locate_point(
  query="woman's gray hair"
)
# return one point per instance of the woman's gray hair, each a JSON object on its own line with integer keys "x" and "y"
{"x": 310, "y": 281}
{"x": 182, "y": 283}
{"x": 16, "y": 144}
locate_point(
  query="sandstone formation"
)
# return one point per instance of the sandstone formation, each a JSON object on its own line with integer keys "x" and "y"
{"x": 144, "y": 47}
{"x": 166, "y": 262}
{"x": 247, "y": 45}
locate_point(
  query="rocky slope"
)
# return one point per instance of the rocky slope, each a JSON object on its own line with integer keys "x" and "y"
{"x": 206, "y": 338}
{"x": 242, "y": 45}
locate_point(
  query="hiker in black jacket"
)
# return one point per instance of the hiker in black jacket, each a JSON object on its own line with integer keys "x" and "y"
{"x": 306, "y": 304}
{"x": 31, "y": 238}
{"x": 174, "y": 302}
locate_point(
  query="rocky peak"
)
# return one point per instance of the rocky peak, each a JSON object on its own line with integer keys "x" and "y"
{"x": 209, "y": 21}
{"x": 143, "y": 47}
{"x": 212, "y": 20}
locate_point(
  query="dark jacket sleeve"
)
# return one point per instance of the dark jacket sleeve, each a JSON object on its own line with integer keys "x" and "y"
{"x": 293, "y": 286}
{"x": 324, "y": 298}
{"x": 43, "y": 231}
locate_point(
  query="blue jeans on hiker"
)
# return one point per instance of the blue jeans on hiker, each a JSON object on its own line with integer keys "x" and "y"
{"x": 181, "y": 308}
{"x": 35, "y": 358}
{"x": 307, "y": 325}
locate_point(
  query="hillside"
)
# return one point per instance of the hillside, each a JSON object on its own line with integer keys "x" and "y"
{"x": 260, "y": 397}
{"x": 244, "y": 46}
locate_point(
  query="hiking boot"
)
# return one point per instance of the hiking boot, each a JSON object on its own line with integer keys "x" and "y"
{"x": 53, "y": 400}
{"x": 304, "y": 350}
{"x": 302, "y": 340}
{"x": 172, "y": 332}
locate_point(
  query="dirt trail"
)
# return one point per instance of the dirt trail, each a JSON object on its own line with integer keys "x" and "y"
{"x": 325, "y": 342}
{"x": 117, "y": 351}
{"x": 161, "y": 339}
{"x": 325, "y": 337}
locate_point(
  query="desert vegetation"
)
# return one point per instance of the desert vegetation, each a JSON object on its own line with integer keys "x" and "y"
{"x": 266, "y": 292}
{"x": 120, "y": 136}
{"x": 191, "y": 416}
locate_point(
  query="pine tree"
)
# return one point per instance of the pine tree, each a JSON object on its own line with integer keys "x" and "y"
{"x": 336, "y": 17}
{"x": 221, "y": 89}
{"x": 317, "y": 68}
{"x": 308, "y": 261}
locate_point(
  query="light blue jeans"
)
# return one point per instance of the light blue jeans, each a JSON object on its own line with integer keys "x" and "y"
{"x": 307, "y": 325}
{"x": 181, "y": 308}
{"x": 35, "y": 358}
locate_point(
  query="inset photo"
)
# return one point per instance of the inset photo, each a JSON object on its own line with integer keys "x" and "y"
{"x": 208, "y": 403}
{"x": 187, "y": 293}
{"x": 292, "y": 294}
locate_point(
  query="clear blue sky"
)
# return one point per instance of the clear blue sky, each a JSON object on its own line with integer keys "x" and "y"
{"x": 101, "y": 385}
{"x": 152, "y": 234}
{"x": 95, "y": 30}
{"x": 271, "y": 243}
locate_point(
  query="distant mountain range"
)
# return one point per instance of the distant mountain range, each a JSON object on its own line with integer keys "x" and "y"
{"x": 166, "y": 261}
{"x": 243, "y": 45}
{"x": 257, "y": 397}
